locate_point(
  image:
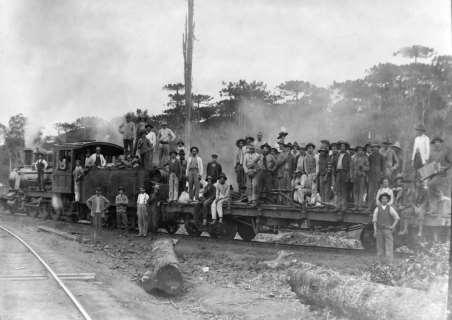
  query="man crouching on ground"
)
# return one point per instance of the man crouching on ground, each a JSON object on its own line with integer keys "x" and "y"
{"x": 97, "y": 204}
{"x": 385, "y": 219}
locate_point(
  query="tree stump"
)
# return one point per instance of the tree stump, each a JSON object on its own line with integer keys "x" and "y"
{"x": 164, "y": 275}
{"x": 361, "y": 299}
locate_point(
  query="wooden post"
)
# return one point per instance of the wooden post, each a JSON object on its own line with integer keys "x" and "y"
{"x": 188, "y": 58}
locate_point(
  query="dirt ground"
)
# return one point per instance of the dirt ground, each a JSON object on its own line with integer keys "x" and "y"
{"x": 221, "y": 281}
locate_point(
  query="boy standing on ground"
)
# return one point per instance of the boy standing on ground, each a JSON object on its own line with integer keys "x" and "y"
{"x": 97, "y": 204}
{"x": 385, "y": 219}
{"x": 142, "y": 213}
{"x": 121, "y": 202}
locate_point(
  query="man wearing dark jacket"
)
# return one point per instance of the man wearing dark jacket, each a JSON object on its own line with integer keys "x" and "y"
{"x": 375, "y": 173}
{"x": 207, "y": 199}
{"x": 214, "y": 169}
{"x": 342, "y": 174}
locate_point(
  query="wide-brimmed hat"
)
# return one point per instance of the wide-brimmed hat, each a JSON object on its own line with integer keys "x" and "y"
{"x": 274, "y": 150}
{"x": 180, "y": 142}
{"x": 323, "y": 148}
{"x": 209, "y": 177}
{"x": 385, "y": 194}
{"x": 375, "y": 144}
{"x": 310, "y": 144}
{"x": 173, "y": 152}
{"x": 387, "y": 142}
{"x": 182, "y": 152}
{"x": 194, "y": 148}
{"x": 266, "y": 145}
{"x": 397, "y": 145}
{"x": 214, "y": 155}
{"x": 435, "y": 139}
{"x": 302, "y": 146}
{"x": 420, "y": 127}
{"x": 341, "y": 142}
{"x": 399, "y": 176}
{"x": 282, "y": 132}
{"x": 359, "y": 147}
{"x": 325, "y": 142}
{"x": 249, "y": 138}
{"x": 149, "y": 125}
{"x": 240, "y": 140}
{"x": 121, "y": 188}
{"x": 164, "y": 122}
{"x": 222, "y": 175}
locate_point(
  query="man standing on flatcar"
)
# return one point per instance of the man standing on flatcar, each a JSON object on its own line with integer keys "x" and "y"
{"x": 165, "y": 137}
{"x": 174, "y": 175}
{"x": 194, "y": 172}
{"x": 213, "y": 168}
{"x": 144, "y": 150}
{"x": 252, "y": 164}
{"x": 41, "y": 165}
{"x": 375, "y": 173}
{"x": 239, "y": 170}
{"x": 342, "y": 175}
{"x": 128, "y": 131}
{"x": 150, "y": 135}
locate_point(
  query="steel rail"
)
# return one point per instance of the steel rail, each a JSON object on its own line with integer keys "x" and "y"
{"x": 74, "y": 300}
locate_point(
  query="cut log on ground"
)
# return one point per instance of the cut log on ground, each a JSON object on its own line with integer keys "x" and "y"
{"x": 361, "y": 299}
{"x": 163, "y": 275}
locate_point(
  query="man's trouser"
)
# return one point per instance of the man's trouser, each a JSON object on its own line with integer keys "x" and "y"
{"x": 266, "y": 184}
{"x": 41, "y": 180}
{"x": 143, "y": 219}
{"x": 251, "y": 187}
{"x": 128, "y": 146}
{"x": 206, "y": 207}
{"x": 193, "y": 184}
{"x": 76, "y": 191}
{"x": 121, "y": 218}
{"x": 341, "y": 189}
{"x": 359, "y": 188}
{"x": 241, "y": 178}
{"x": 173, "y": 187}
{"x": 312, "y": 181}
{"x": 324, "y": 187}
{"x": 97, "y": 221}
{"x": 385, "y": 243}
{"x": 163, "y": 153}
{"x": 372, "y": 190}
{"x": 217, "y": 208}
{"x": 437, "y": 187}
{"x": 298, "y": 195}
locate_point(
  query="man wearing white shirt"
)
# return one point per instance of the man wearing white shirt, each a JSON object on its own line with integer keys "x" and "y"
{"x": 41, "y": 166}
{"x": 165, "y": 136}
{"x": 142, "y": 213}
{"x": 194, "y": 171}
{"x": 421, "y": 148}
{"x": 151, "y": 136}
{"x": 97, "y": 159}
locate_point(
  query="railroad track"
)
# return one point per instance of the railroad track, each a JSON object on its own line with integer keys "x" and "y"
{"x": 14, "y": 254}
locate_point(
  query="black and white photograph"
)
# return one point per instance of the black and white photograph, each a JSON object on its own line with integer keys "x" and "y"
{"x": 225, "y": 160}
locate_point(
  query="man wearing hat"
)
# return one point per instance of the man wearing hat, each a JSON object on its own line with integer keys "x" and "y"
{"x": 97, "y": 203}
{"x": 360, "y": 167}
{"x": 439, "y": 185}
{"x": 282, "y": 136}
{"x": 207, "y": 198}
{"x": 121, "y": 202}
{"x": 421, "y": 148}
{"x": 128, "y": 131}
{"x": 41, "y": 166}
{"x": 267, "y": 178}
{"x": 222, "y": 195}
{"x": 376, "y": 171}
{"x": 252, "y": 166}
{"x": 151, "y": 136}
{"x": 213, "y": 168}
{"x": 342, "y": 175}
{"x": 144, "y": 150}
{"x": 249, "y": 141}
{"x": 404, "y": 200}
{"x": 142, "y": 212}
{"x": 385, "y": 220}
{"x": 285, "y": 169}
{"x": 391, "y": 161}
{"x": 180, "y": 145}
{"x": 194, "y": 172}
{"x": 324, "y": 177}
{"x": 174, "y": 175}
{"x": 183, "y": 171}
{"x": 398, "y": 152}
{"x": 165, "y": 137}
{"x": 239, "y": 170}
{"x": 311, "y": 169}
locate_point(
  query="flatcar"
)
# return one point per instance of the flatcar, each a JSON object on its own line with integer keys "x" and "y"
{"x": 239, "y": 217}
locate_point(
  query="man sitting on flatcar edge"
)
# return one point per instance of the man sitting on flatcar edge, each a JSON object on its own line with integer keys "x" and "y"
{"x": 222, "y": 195}
{"x": 121, "y": 202}
{"x": 97, "y": 204}
{"x": 385, "y": 220}
{"x": 207, "y": 198}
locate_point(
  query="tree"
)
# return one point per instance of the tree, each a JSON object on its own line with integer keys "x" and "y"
{"x": 201, "y": 99}
{"x": 15, "y": 138}
{"x": 416, "y": 52}
{"x": 177, "y": 98}
{"x": 295, "y": 88}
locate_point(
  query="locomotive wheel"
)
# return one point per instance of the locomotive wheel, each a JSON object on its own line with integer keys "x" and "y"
{"x": 192, "y": 228}
{"x": 226, "y": 230}
{"x": 367, "y": 238}
{"x": 246, "y": 232}
{"x": 171, "y": 227}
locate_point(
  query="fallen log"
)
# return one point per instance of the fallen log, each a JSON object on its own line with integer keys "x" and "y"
{"x": 361, "y": 299}
{"x": 163, "y": 275}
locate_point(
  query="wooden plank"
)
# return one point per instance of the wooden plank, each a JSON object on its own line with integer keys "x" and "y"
{"x": 60, "y": 233}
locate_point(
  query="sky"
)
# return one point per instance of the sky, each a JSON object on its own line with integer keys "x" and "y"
{"x": 63, "y": 59}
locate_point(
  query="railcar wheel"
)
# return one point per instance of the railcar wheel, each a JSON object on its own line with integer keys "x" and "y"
{"x": 192, "y": 228}
{"x": 44, "y": 212}
{"x": 226, "y": 230}
{"x": 171, "y": 227}
{"x": 55, "y": 214}
{"x": 367, "y": 238}
{"x": 33, "y": 212}
{"x": 246, "y": 232}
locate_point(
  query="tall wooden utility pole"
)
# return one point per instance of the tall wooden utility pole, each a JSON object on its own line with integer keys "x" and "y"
{"x": 187, "y": 46}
